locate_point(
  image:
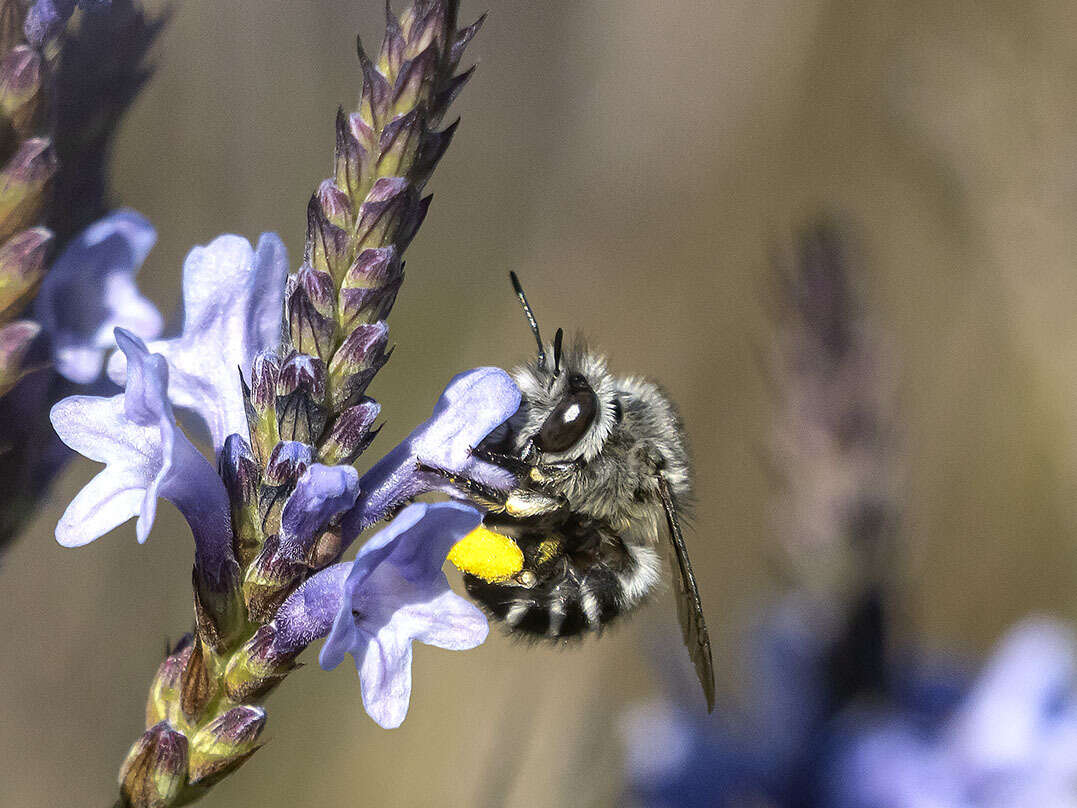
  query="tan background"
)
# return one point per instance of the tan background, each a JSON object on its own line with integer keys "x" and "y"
{"x": 634, "y": 161}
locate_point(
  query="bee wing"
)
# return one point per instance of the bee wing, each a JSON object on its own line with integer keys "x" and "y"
{"x": 689, "y": 607}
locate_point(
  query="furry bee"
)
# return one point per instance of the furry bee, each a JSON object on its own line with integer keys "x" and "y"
{"x": 601, "y": 464}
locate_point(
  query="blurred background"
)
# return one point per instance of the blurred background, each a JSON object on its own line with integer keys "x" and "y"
{"x": 638, "y": 164}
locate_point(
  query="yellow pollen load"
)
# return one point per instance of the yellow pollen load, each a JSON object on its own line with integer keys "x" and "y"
{"x": 488, "y": 555}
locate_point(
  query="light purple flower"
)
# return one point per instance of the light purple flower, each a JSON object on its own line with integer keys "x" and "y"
{"x": 322, "y": 493}
{"x": 232, "y": 298}
{"x": 392, "y": 594}
{"x": 90, "y": 291}
{"x": 1011, "y": 743}
{"x": 146, "y": 456}
{"x": 473, "y": 405}
{"x": 46, "y": 18}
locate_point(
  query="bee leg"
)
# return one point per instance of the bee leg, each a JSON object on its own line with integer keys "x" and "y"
{"x": 525, "y": 503}
{"x": 553, "y": 472}
{"x": 510, "y": 463}
{"x": 485, "y": 495}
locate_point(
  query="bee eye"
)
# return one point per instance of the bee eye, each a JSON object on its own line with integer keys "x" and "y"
{"x": 570, "y": 419}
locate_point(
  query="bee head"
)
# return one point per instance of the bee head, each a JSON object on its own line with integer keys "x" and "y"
{"x": 570, "y": 401}
{"x": 569, "y": 407}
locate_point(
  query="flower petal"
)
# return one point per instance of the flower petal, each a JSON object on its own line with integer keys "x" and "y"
{"x": 232, "y": 297}
{"x": 90, "y": 290}
{"x": 385, "y": 677}
{"x": 447, "y": 621}
{"x": 396, "y": 592}
{"x": 473, "y": 405}
{"x": 146, "y": 456}
{"x": 321, "y": 493}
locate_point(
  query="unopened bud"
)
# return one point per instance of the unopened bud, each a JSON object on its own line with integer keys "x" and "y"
{"x": 370, "y": 287}
{"x": 15, "y": 341}
{"x": 155, "y": 770}
{"x": 327, "y": 244}
{"x": 355, "y": 363}
{"x": 301, "y": 410}
{"x": 242, "y": 475}
{"x": 351, "y": 433}
{"x": 335, "y": 204}
{"x": 225, "y": 743}
{"x": 256, "y": 668}
{"x": 163, "y": 701}
{"x": 385, "y": 212}
{"x": 23, "y": 184}
{"x": 22, "y": 266}
{"x": 260, "y": 397}
{"x": 269, "y": 580}
{"x": 20, "y": 89}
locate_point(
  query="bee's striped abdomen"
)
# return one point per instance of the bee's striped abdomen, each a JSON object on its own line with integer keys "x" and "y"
{"x": 571, "y": 599}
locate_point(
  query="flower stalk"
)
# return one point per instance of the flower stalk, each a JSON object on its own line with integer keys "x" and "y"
{"x": 308, "y": 419}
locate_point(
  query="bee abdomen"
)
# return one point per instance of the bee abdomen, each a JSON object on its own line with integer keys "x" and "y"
{"x": 573, "y": 601}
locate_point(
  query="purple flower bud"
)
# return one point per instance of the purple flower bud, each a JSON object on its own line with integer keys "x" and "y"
{"x": 259, "y": 666}
{"x": 302, "y": 373}
{"x": 163, "y": 699}
{"x": 334, "y": 203}
{"x": 34, "y": 163}
{"x": 374, "y": 99}
{"x": 22, "y": 185}
{"x": 155, "y": 770}
{"x": 370, "y": 286}
{"x": 327, "y": 244}
{"x": 20, "y": 85}
{"x": 309, "y": 296}
{"x": 414, "y": 78}
{"x": 22, "y": 265}
{"x": 239, "y": 469}
{"x": 301, "y": 411}
{"x": 351, "y": 433}
{"x": 240, "y": 725}
{"x": 391, "y": 204}
{"x": 288, "y": 461}
{"x": 362, "y": 132}
{"x": 15, "y": 340}
{"x": 265, "y": 370}
{"x": 352, "y": 169}
{"x": 400, "y": 141}
{"x": 356, "y": 361}
{"x": 225, "y": 743}
{"x": 270, "y": 579}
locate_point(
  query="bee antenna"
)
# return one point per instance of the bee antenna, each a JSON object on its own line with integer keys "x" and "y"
{"x": 531, "y": 321}
{"x": 557, "y": 338}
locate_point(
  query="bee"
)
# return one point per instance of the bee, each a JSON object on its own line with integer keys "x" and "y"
{"x": 601, "y": 464}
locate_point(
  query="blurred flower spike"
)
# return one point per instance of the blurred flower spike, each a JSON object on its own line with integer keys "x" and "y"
{"x": 47, "y": 18}
{"x": 90, "y": 291}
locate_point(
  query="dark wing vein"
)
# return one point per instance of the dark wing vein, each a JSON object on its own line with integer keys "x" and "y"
{"x": 689, "y": 607}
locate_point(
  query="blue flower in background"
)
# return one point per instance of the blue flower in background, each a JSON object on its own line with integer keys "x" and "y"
{"x": 927, "y": 739}
{"x": 90, "y": 291}
{"x": 1010, "y": 743}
